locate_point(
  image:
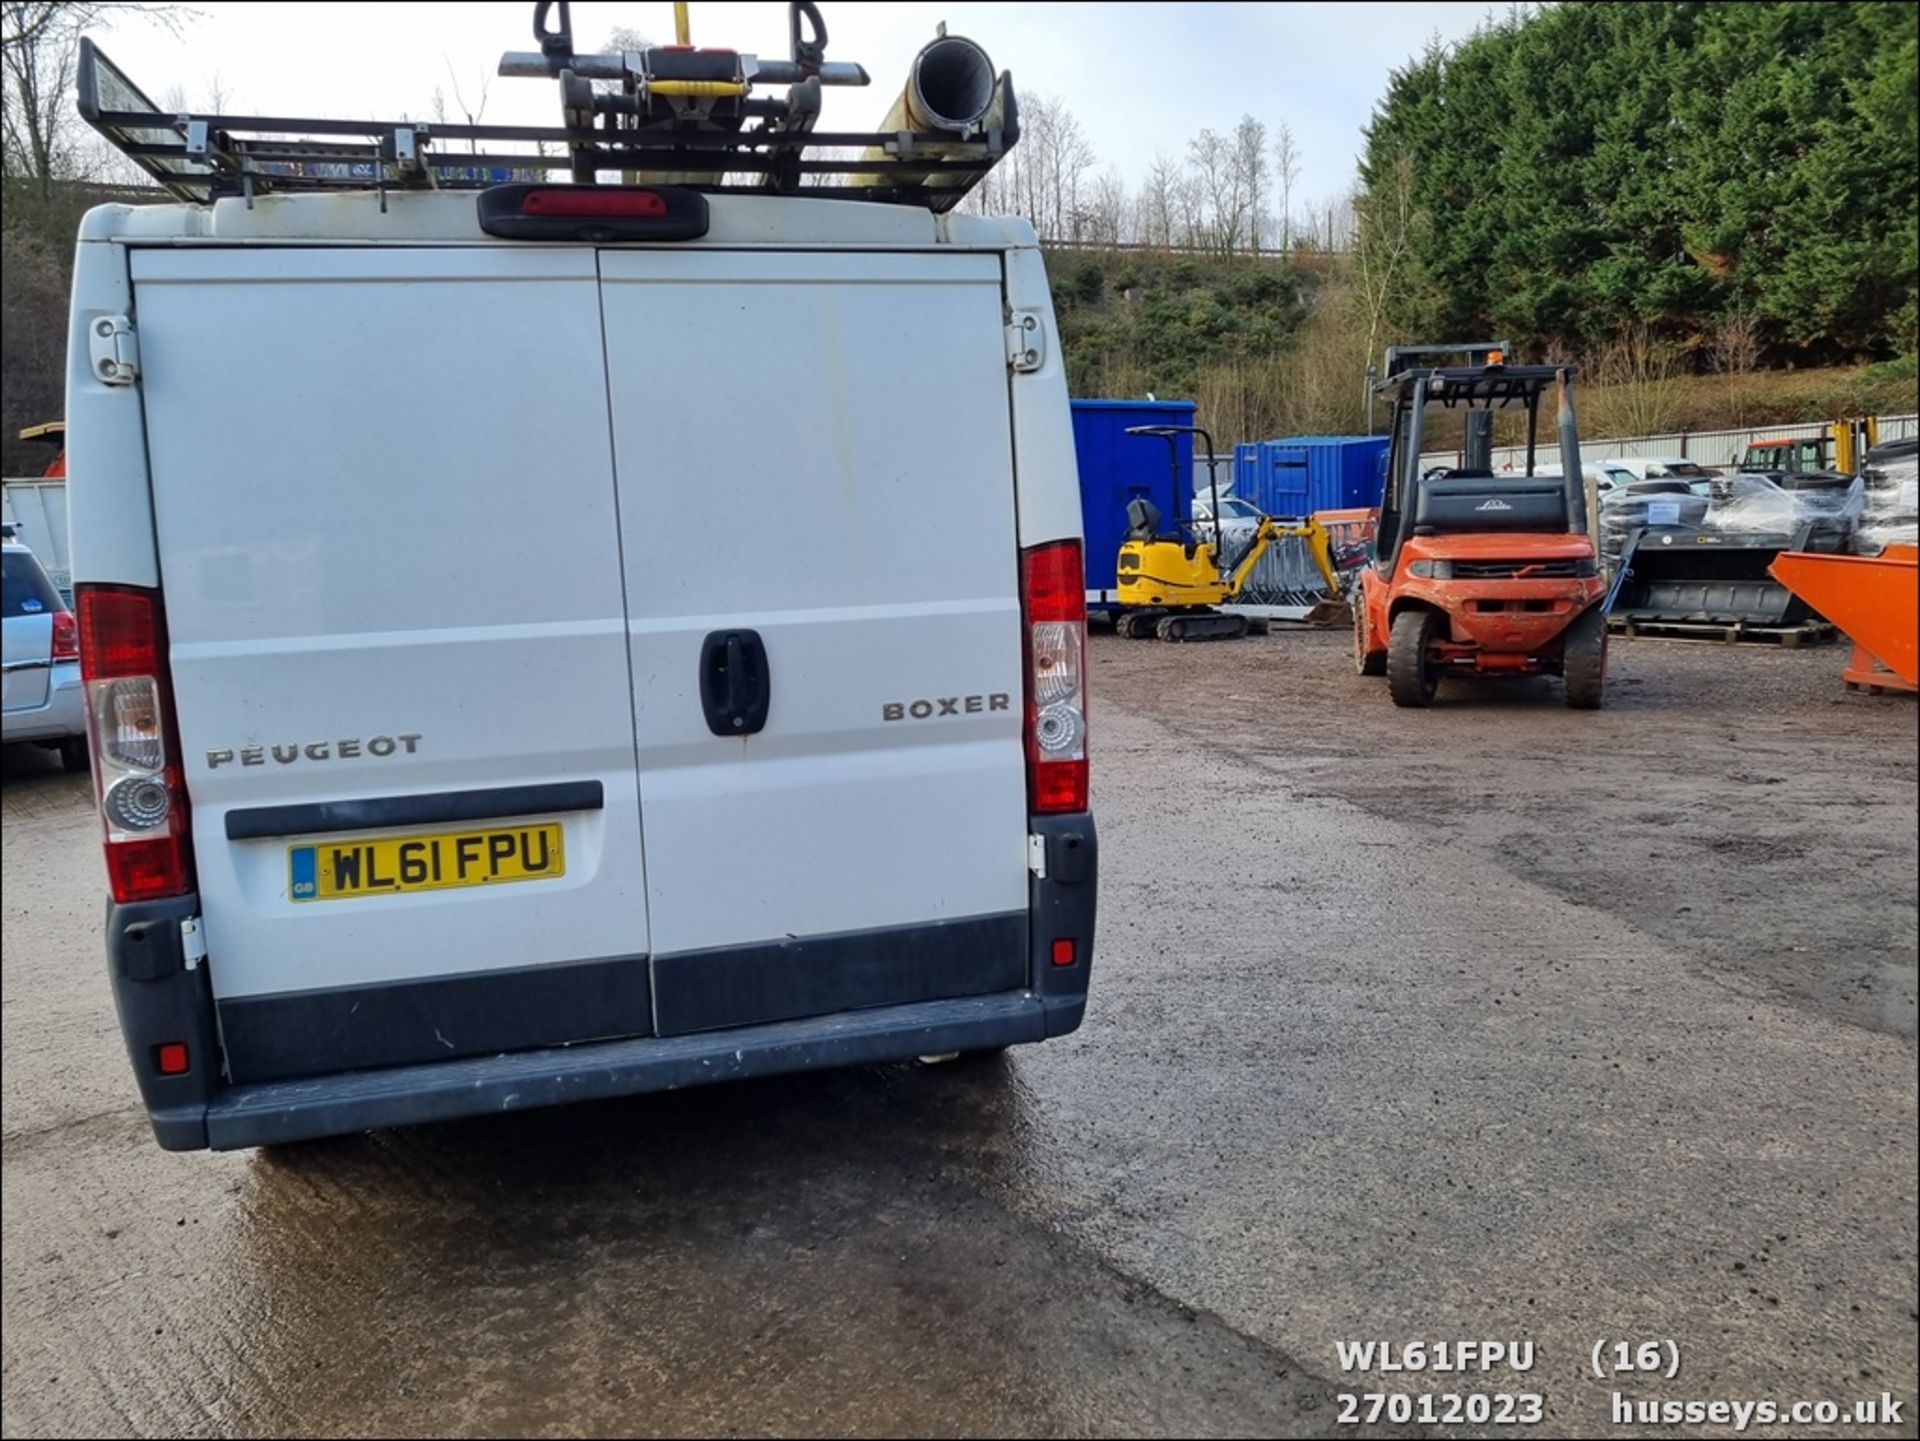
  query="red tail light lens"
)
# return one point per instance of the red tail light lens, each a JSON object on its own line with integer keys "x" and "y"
{"x": 120, "y": 631}
{"x": 1055, "y": 596}
{"x": 138, "y": 781}
{"x": 66, "y": 636}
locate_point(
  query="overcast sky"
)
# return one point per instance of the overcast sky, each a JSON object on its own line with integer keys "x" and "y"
{"x": 1140, "y": 77}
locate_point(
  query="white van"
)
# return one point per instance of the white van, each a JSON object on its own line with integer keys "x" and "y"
{"x": 456, "y": 754}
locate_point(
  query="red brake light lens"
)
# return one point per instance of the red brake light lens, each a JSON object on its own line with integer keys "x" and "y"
{"x": 1055, "y": 595}
{"x": 119, "y": 632}
{"x": 66, "y": 636}
{"x": 587, "y": 200}
{"x": 171, "y": 1058}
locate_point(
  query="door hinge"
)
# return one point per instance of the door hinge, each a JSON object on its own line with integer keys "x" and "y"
{"x": 114, "y": 349}
{"x": 1037, "y": 856}
{"x": 193, "y": 942}
{"x": 1026, "y": 341}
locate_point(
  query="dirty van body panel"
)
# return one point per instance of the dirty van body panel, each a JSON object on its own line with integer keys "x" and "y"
{"x": 450, "y": 535}
{"x": 864, "y": 535}
{"x": 379, "y": 600}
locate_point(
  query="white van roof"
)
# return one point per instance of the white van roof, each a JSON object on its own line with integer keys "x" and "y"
{"x": 452, "y": 218}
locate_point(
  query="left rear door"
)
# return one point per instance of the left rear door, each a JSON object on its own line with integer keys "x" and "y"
{"x": 389, "y": 549}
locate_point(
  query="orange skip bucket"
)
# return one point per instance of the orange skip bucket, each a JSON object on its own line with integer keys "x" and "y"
{"x": 1875, "y": 599}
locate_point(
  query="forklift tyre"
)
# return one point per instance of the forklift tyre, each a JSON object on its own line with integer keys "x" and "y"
{"x": 1411, "y": 676}
{"x": 1583, "y": 660}
{"x": 1365, "y": 662}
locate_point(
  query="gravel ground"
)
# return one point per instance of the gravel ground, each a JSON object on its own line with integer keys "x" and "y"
{"x": 1496, "y": 1021}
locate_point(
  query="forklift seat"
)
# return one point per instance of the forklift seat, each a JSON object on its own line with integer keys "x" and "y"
{"x": 1465, "y": 501}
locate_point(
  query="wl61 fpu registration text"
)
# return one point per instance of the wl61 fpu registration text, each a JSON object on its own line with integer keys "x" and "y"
{"x": 337, "y": 870}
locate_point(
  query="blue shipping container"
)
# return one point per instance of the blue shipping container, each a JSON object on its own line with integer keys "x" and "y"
{"x": 1116, "y": 467}
{"x": 1308, "y": 473}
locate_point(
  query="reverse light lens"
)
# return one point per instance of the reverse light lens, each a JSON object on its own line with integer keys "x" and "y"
{"x": 130, "y": 729}
{"x": 137, "y": 803}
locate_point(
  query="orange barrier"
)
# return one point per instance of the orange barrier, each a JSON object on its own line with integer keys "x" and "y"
{"x": 1875, "y": 599}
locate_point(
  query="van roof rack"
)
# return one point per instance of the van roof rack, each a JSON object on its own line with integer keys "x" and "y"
{"x": 668, "y": 114}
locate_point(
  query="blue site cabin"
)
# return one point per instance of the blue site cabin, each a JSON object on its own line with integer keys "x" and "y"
{"x": 1115, "y": 468}
{"x": 1304, "y": 474}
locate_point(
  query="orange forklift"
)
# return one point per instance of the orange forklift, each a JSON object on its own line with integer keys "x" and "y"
{"x": 1476, "y": 574}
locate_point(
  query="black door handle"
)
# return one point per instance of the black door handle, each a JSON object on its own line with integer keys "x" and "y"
{"x": 735, "y": 688}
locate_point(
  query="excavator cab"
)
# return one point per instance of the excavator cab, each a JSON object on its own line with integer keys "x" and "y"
{"x": 1477, "y": 573}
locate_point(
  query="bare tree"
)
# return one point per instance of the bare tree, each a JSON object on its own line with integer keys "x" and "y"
{"x": 1045, "y": 176}
{"x": 1250, "y": 173}
{"x": 1383, "y": 237}
{"x": 1222, "y": 187}
{"x": 1158, "y": 209}
{"x": 1286, "y": 170}
{"x": 1640, "y": 383}
{"x": 1190, "y": 204}
{"x": 39, "y": 54}
{"x": 1068, "y": 159}
{"x": 1734, "y": 347}
{"x": 1107, "y": 209}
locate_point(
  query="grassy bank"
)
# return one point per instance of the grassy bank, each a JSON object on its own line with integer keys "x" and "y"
{"x": 1270, "y": 348}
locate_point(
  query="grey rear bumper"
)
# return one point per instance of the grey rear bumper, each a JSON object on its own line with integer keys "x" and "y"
{"x": 297, "y": 1110}
{"x": 162, "y": 1001}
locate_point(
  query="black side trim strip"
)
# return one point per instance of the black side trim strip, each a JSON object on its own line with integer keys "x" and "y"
{"x": 352, "y": 1028}
{"x": 254, "y": 822}
{"x": 823, "y": 975}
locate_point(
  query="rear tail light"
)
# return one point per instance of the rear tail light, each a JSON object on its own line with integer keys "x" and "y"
{"x": 1055, "y": 597}
{"x": 137, "y": 776}
{"x": 66, "y": 636}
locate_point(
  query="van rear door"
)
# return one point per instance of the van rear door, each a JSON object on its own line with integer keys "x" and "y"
{"x": 389, "y": 549}
{"x": 817, "y": 510}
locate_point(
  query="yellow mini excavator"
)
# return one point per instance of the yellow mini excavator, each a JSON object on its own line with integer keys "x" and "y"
{"x": 1171, "y": 584}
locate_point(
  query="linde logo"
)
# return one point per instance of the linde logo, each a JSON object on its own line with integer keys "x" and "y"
{"x": 895, "y": 710}
{"x": 1495, "y": 503}
{"x": 286, "y": 755}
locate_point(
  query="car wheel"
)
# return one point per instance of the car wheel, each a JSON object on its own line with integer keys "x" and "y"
{"x": 1412, "y": 676}
{"x": 73, "y": 754}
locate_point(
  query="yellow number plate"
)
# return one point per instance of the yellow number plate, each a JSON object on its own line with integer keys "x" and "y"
{"x": 337, "y": 870}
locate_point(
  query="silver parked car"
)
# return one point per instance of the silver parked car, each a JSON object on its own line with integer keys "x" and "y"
{"x": 43, "y": 698}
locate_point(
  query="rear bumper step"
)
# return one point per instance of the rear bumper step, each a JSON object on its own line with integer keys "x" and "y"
{"x": 297, "y": 1110}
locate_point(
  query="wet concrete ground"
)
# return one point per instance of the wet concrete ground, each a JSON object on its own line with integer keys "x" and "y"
{"x": 1495, "y": 1021}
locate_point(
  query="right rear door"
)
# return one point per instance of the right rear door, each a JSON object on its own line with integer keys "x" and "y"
{"x": 813, "y": 450}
